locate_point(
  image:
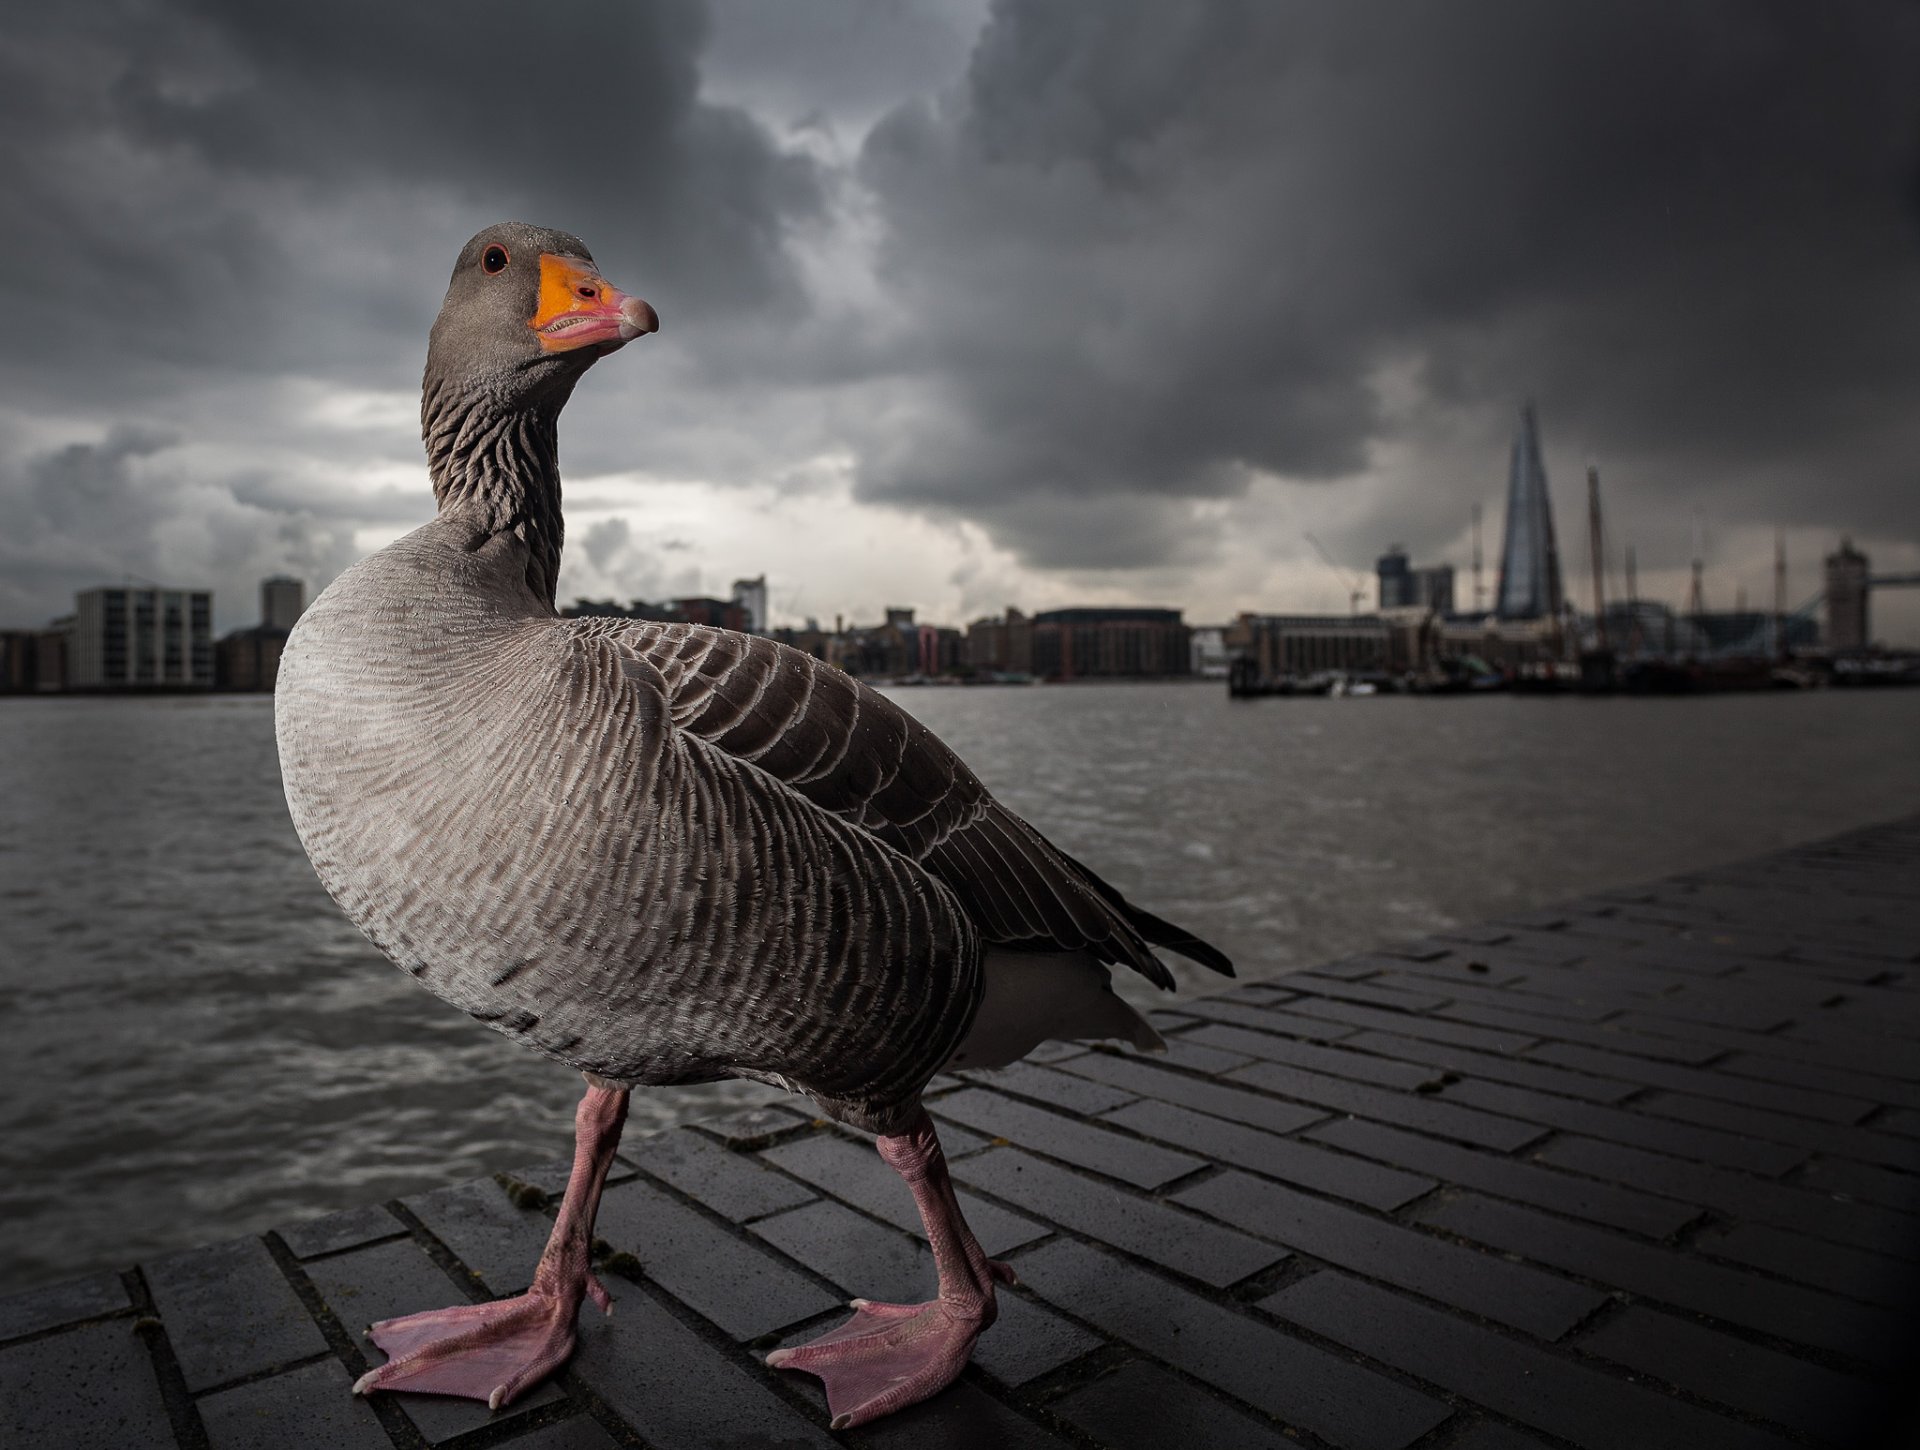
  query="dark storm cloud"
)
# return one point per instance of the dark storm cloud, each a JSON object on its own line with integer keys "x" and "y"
{"x": 1147, "y": 248}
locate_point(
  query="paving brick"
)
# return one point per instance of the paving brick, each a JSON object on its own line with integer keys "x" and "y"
{"x": 722, "y": 1276}
{"x": 855, "y": 1174}
{"x": 1535, "y": 1386}
{"x": 1470, "y": 965}
{"x": 1184, "y": 1051}
{"x": 734, "y": 1184}
{"x": 1449, "y": 1120}
{"x": 1182, "y": 1241}
{"x": 314, "y": 1405}
{"x": 674, "y": 1388}
{"x": 1904, "y": 1121}
{"x": 1804, "y": 1210}
{"x": 962, "y": 1417}
{"x": 343, "y": 1230}
{"x": 1899, "y": 1191}
{"x": 1072, "y": 1140}
{"x": 1610, "y": 1035}
{"x": 1055, "y": 1051}
{"x": 1754, "y": 1380}
{"x": 1287, "y": 1159}
{"x": 90, "y": 1388}
{"x": 58, "y": 1304}
{"x": 1489, "y": 1435}
{"x": 1541, "y": 1304}
{"x": 1856, "y": 1273}
{"x": 579, "y": 1433}
{"x": 1670, "y": 1276}
{"x": 753, "y": 1128}
{"x": 1349, "y": 969}
{"x": 1580, "y": 998}
{"x": 1334, "y": 1060}
{"x": 478, "y": 1222}
{"x": 386, "y": 1281}
{"x": 1860, "y": 1144}
{"x": 1852, "y": 1057}
{"x": 1055, "y": 1089}
{"x": 1295, "y": 1382}
{"x": 1434, "y": 1029}
{"x": 1141, "y": 1406}
{"x": 1215, "y": 1099}
{"x": 1605, "y": 1203}
{"x": 1704, "y": 1082}
{"x": 871, "y": 1261}
{"x": 229, "y": 1312}
{"x": 1373, "y": 993}
{"x": 1634, "y": 1129}
{"x": 1496, "y": 1067}
{"x": 1292, "y": 1024}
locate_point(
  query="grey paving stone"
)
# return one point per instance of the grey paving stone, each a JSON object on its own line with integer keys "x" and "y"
{"x": 1217, "y": 1099}
{"x": 1140, "y": 1406}
{"x": 1410, "y": 1110}
{"x": 1622, "y": 1126}
{"x": 1856, "y": 1273}
{"x": 1808, "y": 1397}
{"x": 871, "y": 1261}
{"x": 1182, "y": 1241}
{"x": 90, "y": 1388}
{"x": 1072, "y": 1140}
{"x": 1055, "y": 1089}
{"x": 1541, "y": 1304}
{"x": 314, "y": 1405}
{"x": 676, "y": 1389}
{"x": 721, "y": 1275}
{"x": 478, "y": 1222}
{"x": 1300, "y": 1384}
{"x": 1055, "y": 1051}
{"x": 1374, "y": 993}
{"x": 735, "y": 1184}
{"x": 1670, "y": 1276}
{"x": 58, "y": 1304}
{"x": 1704, "y": 1082}
{"x": 1488, "y": 1435}
{"x": 1184, "y": 1051}
{"x": 1311, "y": 1055}
{"x": 1611, "y": 1035}
{"x": 1571, "y": 994}
{"x": 229, "y": 1312}
{"x": 961, "y": 1417}
{"x": 1434, "y": 1028}
{"x": 1816, "y": 1056}
{"x": 343, "y": 1230}
{"x": 1508, "y": 1376}
{"x": 1287, "y": 1159}
{"x": 855, "y": 1174}
{"x": 386, "y": 1281}
{"x": 1315, "y": 1028}
{"x": 752, "y": 1128}
{"x": 1606, "y": 1203}
{"x": 1805, "y": 1210}
{"x": 1860, "y": 1144}
{"x": 1899, "y": 1191}
{"x": 1495, "y": 1067}
{"x": 1468, "y": 965}
{"x": 579, "y": 1433}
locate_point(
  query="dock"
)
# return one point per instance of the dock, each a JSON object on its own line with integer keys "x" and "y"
{"x": 1638, "y": 1170}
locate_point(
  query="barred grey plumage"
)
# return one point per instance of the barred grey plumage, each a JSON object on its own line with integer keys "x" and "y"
{"x": 658, "y": 852}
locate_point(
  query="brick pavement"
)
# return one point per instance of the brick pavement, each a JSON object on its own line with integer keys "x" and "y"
{"x": 1639, "y": 1170}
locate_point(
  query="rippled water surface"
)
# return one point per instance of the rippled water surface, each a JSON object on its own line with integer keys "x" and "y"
{"x": 198, "y": 1045}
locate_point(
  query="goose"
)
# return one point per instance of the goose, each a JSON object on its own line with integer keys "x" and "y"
{"x": 663, "y": 853}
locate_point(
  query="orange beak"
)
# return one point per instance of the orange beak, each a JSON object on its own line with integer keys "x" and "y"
{"x": 579, "y": 309}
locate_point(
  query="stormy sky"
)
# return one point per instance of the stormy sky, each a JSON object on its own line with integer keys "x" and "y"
{"x": 966, "y": 304}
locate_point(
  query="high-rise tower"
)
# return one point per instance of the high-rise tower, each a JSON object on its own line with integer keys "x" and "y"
{"x": 1529, "y": 561}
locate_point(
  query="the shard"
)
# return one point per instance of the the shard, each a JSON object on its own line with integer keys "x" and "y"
{"x": 1529, "y": 562}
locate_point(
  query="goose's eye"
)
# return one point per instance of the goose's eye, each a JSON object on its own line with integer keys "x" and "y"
{"x": 493, "y": 260}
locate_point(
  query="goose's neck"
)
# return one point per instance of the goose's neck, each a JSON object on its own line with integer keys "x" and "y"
{"x": 499, "y": 467}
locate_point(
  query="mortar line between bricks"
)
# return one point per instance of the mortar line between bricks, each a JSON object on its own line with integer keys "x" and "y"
{"x": 189, "y": 1432}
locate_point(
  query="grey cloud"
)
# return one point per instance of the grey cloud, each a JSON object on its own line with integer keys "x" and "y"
{"x": 1149, "y": 248}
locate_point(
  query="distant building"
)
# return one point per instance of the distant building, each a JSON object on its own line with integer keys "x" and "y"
{"x": 33, "y": 661}
{"x": 283, "y": 600}
{"x": 1212, "y": 660}
{"x": 1433, "y": 589}
{"x": 1295, "y": 646}
{"x": 141, "y": 638}
{"x": 1529, "y": 560}
{"x": 1404, "y": 587}
{"x": 750, "y": 595}
{"x": 249, "y": 659}
{"x": 1001, "y": 644}
{"x": 1110, "y": 643}
{"x": 1848, "y": 627}
{"x": 720, "y": 613}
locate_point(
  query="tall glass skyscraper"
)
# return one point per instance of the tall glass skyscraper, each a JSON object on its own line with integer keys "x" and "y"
{"x": 1529, "y": 561}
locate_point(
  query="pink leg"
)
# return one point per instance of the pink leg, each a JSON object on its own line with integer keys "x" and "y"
{"x": 496, "y": 1352}
{"x": 889, "y": 1356}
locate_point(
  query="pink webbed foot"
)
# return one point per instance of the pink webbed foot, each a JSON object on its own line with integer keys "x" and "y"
{"x": 889, "y": 1356}
{"x": 494, "y": 1352}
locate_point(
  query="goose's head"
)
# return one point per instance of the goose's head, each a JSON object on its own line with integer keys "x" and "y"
{"x": 526, "y": 313}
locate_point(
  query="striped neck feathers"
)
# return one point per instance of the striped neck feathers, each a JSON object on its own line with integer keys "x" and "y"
{"x": 498, "y": 464}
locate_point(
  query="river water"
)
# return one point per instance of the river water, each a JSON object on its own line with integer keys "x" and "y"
{"x": 197, "y": 1045}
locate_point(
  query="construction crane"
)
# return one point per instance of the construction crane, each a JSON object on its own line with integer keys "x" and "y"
{"x": 1356, "y": 590}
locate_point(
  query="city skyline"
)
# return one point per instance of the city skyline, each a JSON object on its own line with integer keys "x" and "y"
{"x": 968, "y": 306}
